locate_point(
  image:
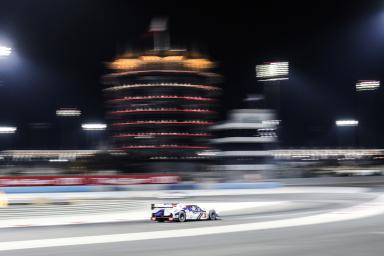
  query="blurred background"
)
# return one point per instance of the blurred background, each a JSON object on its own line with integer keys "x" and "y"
{"x": 200, "y": 91}
{"x": 268, "y": 113}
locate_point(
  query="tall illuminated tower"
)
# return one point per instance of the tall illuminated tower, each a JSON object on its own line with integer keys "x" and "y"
{"x": 161, "y": 102}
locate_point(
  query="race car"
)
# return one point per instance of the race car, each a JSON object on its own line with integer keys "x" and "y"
{"x": 181, "y": 212}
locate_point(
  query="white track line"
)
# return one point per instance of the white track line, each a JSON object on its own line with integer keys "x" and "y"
{"x": 371, "y": 208}
{"x": 377, "y": 233}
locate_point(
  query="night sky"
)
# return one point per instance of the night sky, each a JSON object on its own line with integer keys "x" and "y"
{"x": 60, "y": 50}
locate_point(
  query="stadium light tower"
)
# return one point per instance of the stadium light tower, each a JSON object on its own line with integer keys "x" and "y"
{"x": 7, "y": 129}
{"x": 5, "y": 51}
{"x": 68, "y": 112}
{"x": 347, "y": 122}
{"x": 272, "y": 71}
{"x": 94, "y": 127}
{"x": 367, "y": 85}
{"x": 347, "y": 132}
{"x": 270, "y": 74}
{"x": 94, "y": 133}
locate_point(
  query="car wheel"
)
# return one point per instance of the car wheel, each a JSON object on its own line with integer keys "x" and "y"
{"x": 182, "y": 216}
{"x": 212, "y": 215}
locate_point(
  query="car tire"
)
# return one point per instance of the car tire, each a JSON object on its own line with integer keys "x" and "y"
{"x": 212, "y": 215}
{"x": 182, "y": 216}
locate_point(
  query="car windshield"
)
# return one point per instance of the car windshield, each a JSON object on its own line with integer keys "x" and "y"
{"x": 195, "y": 208}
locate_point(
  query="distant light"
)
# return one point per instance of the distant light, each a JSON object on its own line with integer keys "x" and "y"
{"x": 207, "y": 153}
{"x": 5, "y": 51}
{"x": 134, "y": 63}
{"x": 151, "y": 58}
{"x": 271, "y": 122}
{"x": 68, "y": 112}
{"x": 272, "y": 71}
{"x": 125, "y": 64}
{"x": 58, "y": 160}
{"x": 127, "y": 86}
{"x": 7, "y": 129}
{"x": 94, "y": 127}
{"x": 347, "y": 123}
{"x": 367, "y": 85}
{"x": 139, "y": 110}
{"x": 173, "y": 58}
{"x": 199, "y": 64}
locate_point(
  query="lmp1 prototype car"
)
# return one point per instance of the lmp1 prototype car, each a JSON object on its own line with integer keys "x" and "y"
{"x": 181, "y": 212}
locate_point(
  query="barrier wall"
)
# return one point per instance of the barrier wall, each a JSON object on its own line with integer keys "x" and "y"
{"x": 149, "y": 187}
{"x": 73, "y": 180}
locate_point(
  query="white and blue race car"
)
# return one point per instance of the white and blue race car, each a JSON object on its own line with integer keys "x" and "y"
{"x": 181, "y": 212}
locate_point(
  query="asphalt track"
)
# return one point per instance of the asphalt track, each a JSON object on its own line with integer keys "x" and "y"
{"x": 356, "y": 236}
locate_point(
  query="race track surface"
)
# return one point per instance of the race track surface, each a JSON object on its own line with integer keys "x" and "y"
{"x": 288, "y": 228}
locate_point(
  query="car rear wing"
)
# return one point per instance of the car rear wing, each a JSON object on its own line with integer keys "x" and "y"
{"x": 167, "y": 205}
